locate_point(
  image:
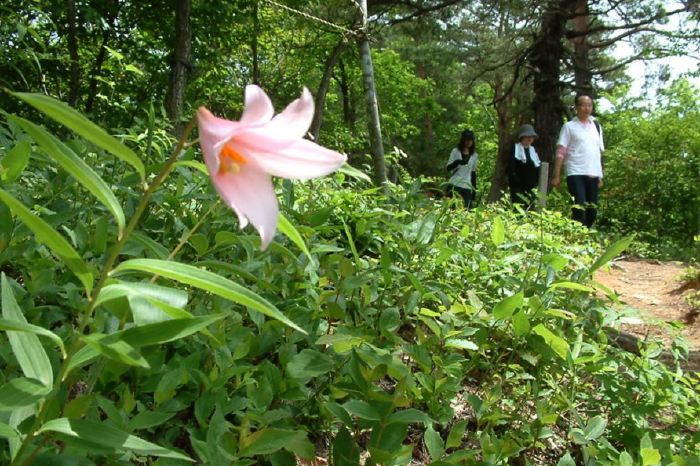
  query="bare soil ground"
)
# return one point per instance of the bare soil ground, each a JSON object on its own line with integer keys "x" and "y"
{"x": 655, "y": 289}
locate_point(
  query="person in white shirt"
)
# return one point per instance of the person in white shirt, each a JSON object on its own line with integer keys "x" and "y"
{"x": 580, "y": 149}
{"x": 462, "y": 165}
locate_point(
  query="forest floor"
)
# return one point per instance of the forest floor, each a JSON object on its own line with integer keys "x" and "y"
{"x": 656, "y": 289}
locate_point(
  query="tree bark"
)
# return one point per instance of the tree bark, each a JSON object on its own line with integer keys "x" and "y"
{"x": 254, "y": 44}
{"x": 73, "y": 53}
{"x": 373, "y": 122}
{"x": 99, "y": 60}
{"x": 348, "y": 106}
{"x": 583, "y": 78}
{"x": 499, "y": 181}
{"x": 180, "y": 64}
{"x": 328, "y": 67}
{"x": 546, "y": 57}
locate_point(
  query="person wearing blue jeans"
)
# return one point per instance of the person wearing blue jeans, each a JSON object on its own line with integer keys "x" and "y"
{"x": 580, "y": 149}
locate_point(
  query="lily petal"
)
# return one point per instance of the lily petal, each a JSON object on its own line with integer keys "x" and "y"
{"x": 258, "y": 107}
{"x": 212, "y": 131}
{"x": 251, "y": 195}
{"x": 301, "y": 160}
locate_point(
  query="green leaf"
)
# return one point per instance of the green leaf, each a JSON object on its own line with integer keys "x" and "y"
{"x": 172, "y": 296}
{"x": 13, "y": 325}
{"x": 309, "y": 363}
{"x": 595, "y": 427}
{"x": 287, "y": 229}
{"x": 433, "y": 443}
{"x": 362, "y": 409}
{"x": 76, "y": 167}
{"x": 110, "y": 437}
{"x": 270, "y": 440}
{"x": 117, "y": 350}
{"x": 345, "y": 449}
{"x": 199, "y": 166}
{"x": 409, "y": 416}
{"x": 27, "y": 348}
{"x": 21, "y": 392}
{"x": 612, "y": 252}
{"x": 454, "y": 438}
{"x": 15, "y": 161}
{"x": 556, "y": 343}
{"x": 341, "y": 343}
{"x": 650, "y": 456}
{"x": 461, "y": 343}
{"x": 521, "y": 324}
{"x": 354, "y": 172}
{"x": 208, "y": 281}
{"x": 625, "y": 459}
{"x": 147, "y": 335}
{"x": 498, "y": 234}
{"x": 507, "y": 306}
{"x": 9, "y": 432}
{"x": 73, "y": 120}
{"x": 148, "y": 419}
{"x": 566, "y": 460}
{"x": 47, "y": 235}
{"x": 339, "y": 412}
{"x": 572, "y": 286}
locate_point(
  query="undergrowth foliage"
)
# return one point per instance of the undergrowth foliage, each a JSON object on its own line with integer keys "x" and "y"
{"x": 140, "y": 325}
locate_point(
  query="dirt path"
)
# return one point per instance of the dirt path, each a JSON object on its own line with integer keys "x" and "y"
{"x": 652, "y": 288}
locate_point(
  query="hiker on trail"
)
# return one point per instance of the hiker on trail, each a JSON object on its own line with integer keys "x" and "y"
{"x": 524, "y": 167}
{"x": 580, "y": 150}
{"x": 462, "y": 165}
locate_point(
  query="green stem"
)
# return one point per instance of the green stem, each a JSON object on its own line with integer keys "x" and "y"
{"x": 188, "y": 235}
{"x": 85, "y": 318}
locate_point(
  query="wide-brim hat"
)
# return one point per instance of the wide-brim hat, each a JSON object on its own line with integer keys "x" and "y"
{"x": 526, "y": 131}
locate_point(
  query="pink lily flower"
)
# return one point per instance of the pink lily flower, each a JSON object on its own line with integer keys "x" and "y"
{"x": 241, "y": 156}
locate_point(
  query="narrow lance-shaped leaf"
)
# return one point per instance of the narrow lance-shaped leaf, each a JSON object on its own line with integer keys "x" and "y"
{"x": 14, "y": 161}
{"x": 13, "y": 325}
{"x": 47, "y": 235}
{"x": 77, "y": 168}
{"x": 75, "y": 121}
{"x": 288, "y": 230}
{"x": 612, "y": 252}
{"x": 208, "y": 281}
{"x": 109, "y": 437}
{"x": 21, "y": 392}
{"x": 27, "y": 348}
{"x": 147, "y": 335}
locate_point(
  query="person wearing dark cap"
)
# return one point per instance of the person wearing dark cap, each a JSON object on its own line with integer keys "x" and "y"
{"x": 462, "y": 165}
{"x": 524, "y": 167}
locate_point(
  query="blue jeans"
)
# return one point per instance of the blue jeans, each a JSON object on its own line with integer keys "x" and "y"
{"x": 584, "y": 190}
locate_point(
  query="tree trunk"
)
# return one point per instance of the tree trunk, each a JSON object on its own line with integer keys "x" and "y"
{"x": 254, "y": 43}
{"x": 73, "y": 53}
{"x": 348, "y": 106}
{"x": 583, "y": 77}
{"x": 99, "y": 60}
{"x": 375, "y": 131}
{"x": 180, "y": 64}
{"x": 331, "y": 61}
{"x": 499, "y": 182}
{"x": 546, "y": 58}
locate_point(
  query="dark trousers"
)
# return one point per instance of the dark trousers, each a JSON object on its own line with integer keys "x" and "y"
{"x": 467, "y": 194}
{"x": 584, "y": 190}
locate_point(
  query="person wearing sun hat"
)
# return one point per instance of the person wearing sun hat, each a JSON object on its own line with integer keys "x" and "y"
{"x": 524, "y": 167}
{"x": 462, "y": 165}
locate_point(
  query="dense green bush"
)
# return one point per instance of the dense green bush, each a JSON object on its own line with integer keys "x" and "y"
{"x": 653, "y": 173}
{"x": 380, "y": 325}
